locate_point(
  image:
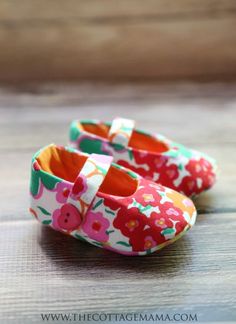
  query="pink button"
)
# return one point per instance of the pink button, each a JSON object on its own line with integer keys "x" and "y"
{"x": 70, "y": 218}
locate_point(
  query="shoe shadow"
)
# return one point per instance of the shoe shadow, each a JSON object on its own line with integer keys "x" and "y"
{"x": 70, "y": 254}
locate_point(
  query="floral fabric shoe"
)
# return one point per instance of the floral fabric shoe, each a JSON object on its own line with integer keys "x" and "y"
{"x": 152, "y": 156}
{"x": 95, "y": 200}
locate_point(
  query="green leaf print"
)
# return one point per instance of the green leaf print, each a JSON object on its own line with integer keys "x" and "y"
{"x": 117, "y": 147}
{"x": 91, "y": 146}
{"x": 132, "y": 174}
{"x": 182, "y": 149}
{"x": 47, "y": 222}
{"x": 97, "y": 204}
{"x": 130, "y": 154}
{"x": 80, "y": 237}
{"x": 109, "y": 232}
{"x": 97, "y": 243}
{"x": 109, "y": 212}
{"x": 44, "y": 211}
{"x": 74, "y": 131}
{"x": 117, "y": 166}
{"x": 102, "y": 170}
{"x": 168, "y": 231}
{"x": 48, "y": 180}
{"x": 123, "y": 243}
{"x": 142, "y": 209}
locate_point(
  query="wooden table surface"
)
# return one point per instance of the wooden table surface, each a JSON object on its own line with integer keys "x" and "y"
{"x": 43, "y": 271}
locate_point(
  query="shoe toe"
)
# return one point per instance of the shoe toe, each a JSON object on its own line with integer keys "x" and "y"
{"x": 159, "y": 222}
{"x": 201, "y": 176}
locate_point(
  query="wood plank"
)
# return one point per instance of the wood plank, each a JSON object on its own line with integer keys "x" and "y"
{"x": 49, "y": 94}
{"x": 201, "y": 47}
{"x": 44, "y": 271}
{"x": 181, "y": 127}
{"x": 205, "y": 111}
{"x": 39, "y": 10}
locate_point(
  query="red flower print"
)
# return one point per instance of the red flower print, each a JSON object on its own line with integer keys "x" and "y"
{"x": 148, "y": 193}
{"x": 113, "y": 204}
{"x": 79, "y": 187}
{"x": 200, "y": 170}
{"x": 157, "y": 220}
{"x": 144, "y": 160}
{"x": 145, "y": 233}
{"x": 168, "y": 174}
{"x": 130, "y": 221}
{"x": 189, "y": 186}
{"x": 146, "y": 240}
{"x": 171, "y": 213}
{"x": 156, "y": 164}
{"x": 154, "y": 161}
{"x": 140, "y": 170}
{"x": 168, "y": 214}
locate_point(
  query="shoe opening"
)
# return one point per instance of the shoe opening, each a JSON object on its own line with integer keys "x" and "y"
{"x": 138, "y": 139}
{"x": 64, "y": 164}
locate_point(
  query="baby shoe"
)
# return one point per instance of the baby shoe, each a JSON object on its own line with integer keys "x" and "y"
{"x": 152, "y": 156}
{"x": 105, "y": 204}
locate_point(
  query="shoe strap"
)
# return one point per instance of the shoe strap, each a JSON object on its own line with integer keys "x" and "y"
{"x": 121, "y": 131}
{"x": 89, "y": 181}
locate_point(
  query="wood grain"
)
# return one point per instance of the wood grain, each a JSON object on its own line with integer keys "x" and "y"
{"x": 108, "y": 40}
{"x": 43, "y": 271}
{"x": 42, "y": 10}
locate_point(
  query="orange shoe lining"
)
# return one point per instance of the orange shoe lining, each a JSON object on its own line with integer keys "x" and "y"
{"x": 67, "y": 165}
{"x": 138, "y": 140}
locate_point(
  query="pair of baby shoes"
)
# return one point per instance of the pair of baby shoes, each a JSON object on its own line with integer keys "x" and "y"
{"x": 118, "y": 187}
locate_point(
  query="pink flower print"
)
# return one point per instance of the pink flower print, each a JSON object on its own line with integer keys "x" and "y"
{"x": 172, "y": 211}
{"x": 187, "y": 202}
{"x": 67, "y": 218}
{"x": 55, "y": 216}
{"x": 198, "y": 168}
{"x": 148, "y": 197}
{"x": 95, "y": 226}
{"x": 132, "y": 224}
{"x": 149, "y": 243}
{"x": 160, "y": 222}
{"x": 171, "y": 173}
{"x": 63, "y": 190}
{"x": 160, "y": 161}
